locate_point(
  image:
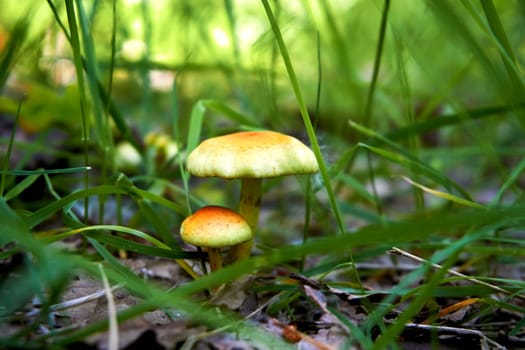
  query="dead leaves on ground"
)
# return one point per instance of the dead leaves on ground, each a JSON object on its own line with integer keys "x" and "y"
{"x": 297, "y": 308}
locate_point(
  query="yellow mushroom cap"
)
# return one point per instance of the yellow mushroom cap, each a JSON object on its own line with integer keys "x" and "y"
{"x": 215, "y": 227}
{"x": 251, "y": 154}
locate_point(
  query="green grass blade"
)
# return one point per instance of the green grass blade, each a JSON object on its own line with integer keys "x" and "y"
{"x": 91, "y": 69}
{"x": 404, "y": 158}
{"x": 176, "y": 207}
{"x": 20, "y": 187}
{"x": 417, "y": 167}
{"x": 146, "y": 250}
{"x": 232, "y": 24}
{"x": 304, "y": 113}
{"x": 367, "y": 115}
{"x": 48, "y": 210}
{"x": 9, "y": 151}
{"x": 45, "y": 171}
{"x": 197, "y": 117}
{"x": 125, "y": 183}
{"x": 9, "y": 53}
{"x": 356, "y": 334}
{"x": 444, "y": 195}
{"x": 230, "y": 113}
{"x": 115, "y": 264}
{"x": 47, "y": 270}
{"x": 194, "y": 130}
{"x": 450, "y": 120}
{"x": 147, "y": 93}
{"x": 496, "y": 26}
{"x": 114, "y": 112}
{"x": 516, "y": 85}
{"x": 157, "y": 222}
{"x": 77, "y": 59}
{"x": 117, "y": 228}
{"x": 511, "y": 180}
{"x": 457, "y": 27}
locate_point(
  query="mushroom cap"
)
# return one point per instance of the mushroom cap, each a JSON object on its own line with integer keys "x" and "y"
{"x": 215, "y": 227}
{"x": 251, "y": 154}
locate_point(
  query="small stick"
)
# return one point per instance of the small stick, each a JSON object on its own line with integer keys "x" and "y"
{"x": 455, "y": 330}
{"x": 397, "y": 251}
{"x": 78, "y": 301}
{"x": 323, "y": 287}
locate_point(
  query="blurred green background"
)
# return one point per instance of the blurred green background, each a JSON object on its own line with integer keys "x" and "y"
{"x": 441, "y": 79}
{"x": 438, "y": 57}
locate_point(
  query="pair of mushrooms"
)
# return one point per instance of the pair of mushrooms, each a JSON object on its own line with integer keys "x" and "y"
{"x": 249, "y": 156}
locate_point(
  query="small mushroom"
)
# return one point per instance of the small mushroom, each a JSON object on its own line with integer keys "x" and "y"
{"x": 215, "y": 227}
{"x": 251, "y": 156}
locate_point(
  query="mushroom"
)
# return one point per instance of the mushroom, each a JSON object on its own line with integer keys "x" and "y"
{"x": 215, "y": 227}
{"x": 251, "y": 156}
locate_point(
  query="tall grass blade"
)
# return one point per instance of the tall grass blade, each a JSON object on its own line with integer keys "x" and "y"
{"x": 367, "y": 115}
{"x": 45, "y": 171}
{"x": 404, "y": 158}
{"x": 444, "y": 195}
{"x": 77, "y": 59}
{"x": 116, "y": 265}
{"x": 511, "y": 181}
{"x": 43, "y": 275}
{"x": 7, "y": 159}
{"x": 20, "y": 187}
{"x": 12, "y": 48}
{"x": 449, "y": 120}
{"x": 115, "y": 113}
{"x": 45, "y": 212}
{"x": 146, "y": 91}
{"x": 304, "y": 113}
{"x": 101, "y": 130}
{"x": 458, "y": 29}
{"x": 197, "y": 118}
{"x": 507, "y": 54}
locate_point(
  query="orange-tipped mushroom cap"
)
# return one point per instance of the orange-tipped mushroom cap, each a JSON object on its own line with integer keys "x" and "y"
{"x": 251, "y": 154}
{"x": 215, "y": 227}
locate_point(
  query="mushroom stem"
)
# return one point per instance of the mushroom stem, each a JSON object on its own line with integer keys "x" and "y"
{"x": 251, "y": 201}
{"x": 214, "y": 254}
{"x": 251, "y": 189}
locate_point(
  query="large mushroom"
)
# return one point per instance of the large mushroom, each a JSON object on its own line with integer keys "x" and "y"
{"x": 214, "y": 228}
{"x": 251, "y": 156}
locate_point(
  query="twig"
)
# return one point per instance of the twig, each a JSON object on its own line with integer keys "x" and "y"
{"x": 397, "y": 251}
{"x": 323, "y": 287}
{"x": 113, "y": 336}
{"x": 265, "y": 304}
{"x": 78, "y": 301}
{"x": 455, "y": 330}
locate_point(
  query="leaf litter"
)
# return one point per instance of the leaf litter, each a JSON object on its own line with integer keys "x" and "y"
{"x": 308, "y": 323}
{"x": 308, "y": 319}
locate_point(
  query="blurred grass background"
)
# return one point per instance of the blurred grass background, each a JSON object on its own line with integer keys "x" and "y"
{"x": 417, "y": 108}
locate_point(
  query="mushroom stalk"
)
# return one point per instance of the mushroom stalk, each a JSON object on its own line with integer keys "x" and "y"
{"x": 250, "y": 204}
{"x": 214, "y": 254}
